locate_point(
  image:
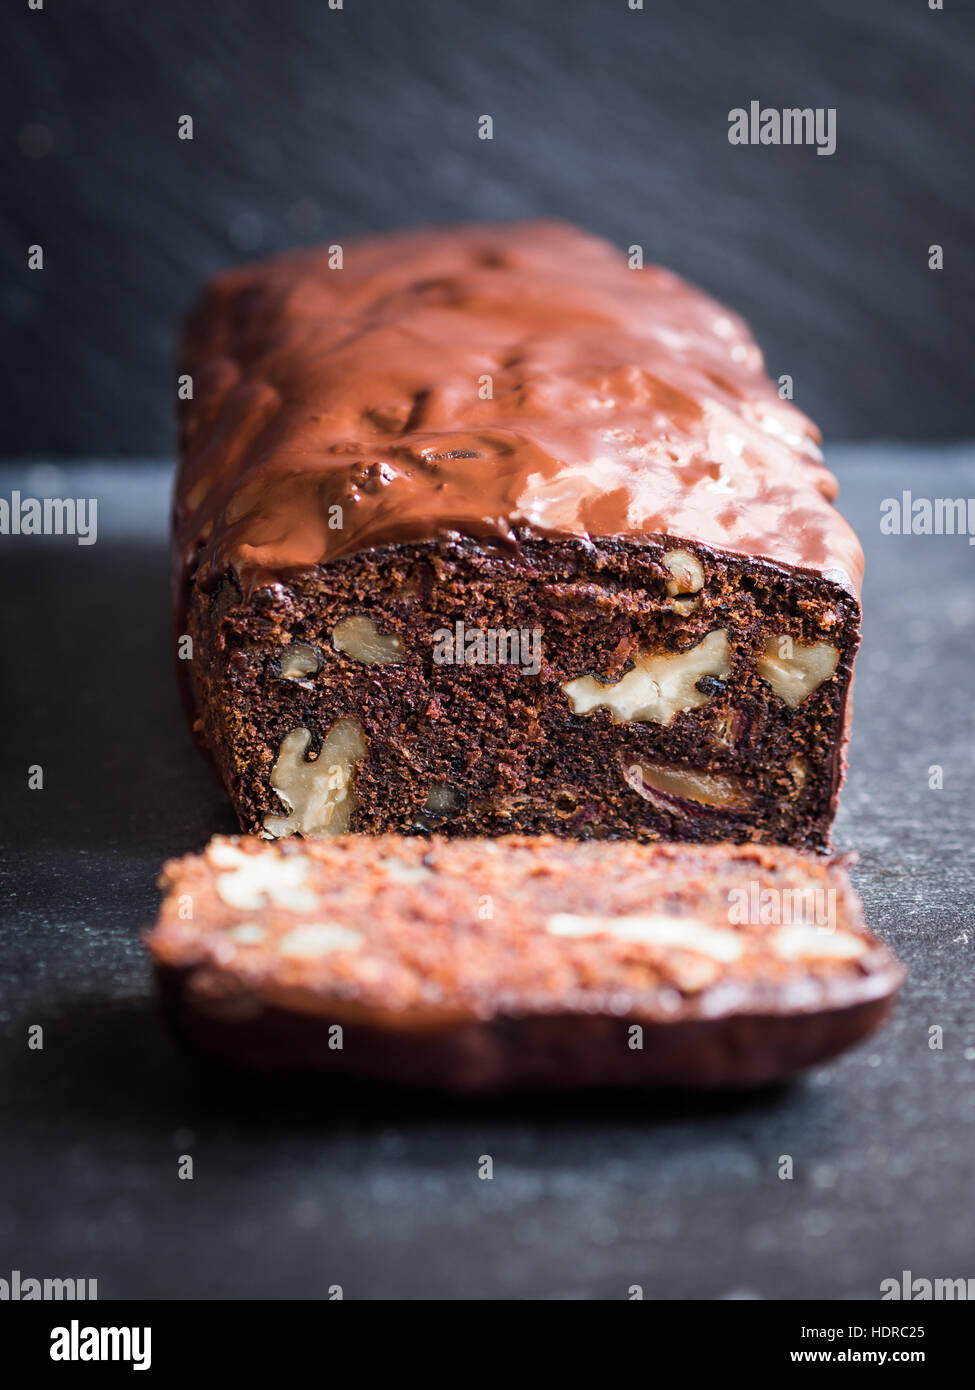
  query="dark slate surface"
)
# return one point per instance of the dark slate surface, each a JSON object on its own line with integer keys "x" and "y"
{"x": 312, "y": 123}
{"x": 377, "y": 1192}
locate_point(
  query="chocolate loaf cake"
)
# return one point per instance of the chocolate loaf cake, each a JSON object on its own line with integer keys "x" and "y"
{"x": 481, "y": 530}
{"x": 483, "y": 965}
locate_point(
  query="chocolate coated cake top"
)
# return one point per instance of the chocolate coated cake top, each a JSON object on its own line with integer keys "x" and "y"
{"x": 497, "y": 382}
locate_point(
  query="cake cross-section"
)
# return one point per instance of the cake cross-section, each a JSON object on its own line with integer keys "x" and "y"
{"x": 479, "y": 530}
{"x": 485, "y": 965}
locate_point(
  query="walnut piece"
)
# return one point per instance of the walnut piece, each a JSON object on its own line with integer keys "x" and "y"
{"x": 659, "y": 929}
{"x": 253, "y": 879}
{"x": 804, "y": 941}
{"x": 686, "y": 569}
{"x": 794, "y": 671}
{"x": 314, "y": 939}
{"x": 797, "y": 769}
{"x": 720, "y": 789}
{"x": 441, "y": 799}
{"x": 658, "y": 686}
{"x": 247, "y": 933}
{"x": 299, "y": 661}
{"x": 688, "y": 580}
{"x": 724, "y": 729}
{"x": 319, "y": 794}
{"x": 698, "y": 952}
{"x": 399, "y": 871}
{"x": 359, "y": 638}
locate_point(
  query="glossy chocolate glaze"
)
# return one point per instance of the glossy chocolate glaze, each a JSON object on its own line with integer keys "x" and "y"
{"x": 624, "y": 404}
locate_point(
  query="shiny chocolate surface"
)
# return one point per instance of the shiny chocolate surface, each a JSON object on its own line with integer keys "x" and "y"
{"x": 499, "y": 382}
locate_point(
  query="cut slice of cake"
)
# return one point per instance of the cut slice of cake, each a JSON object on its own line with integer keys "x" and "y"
{"x": 486, "y": 965}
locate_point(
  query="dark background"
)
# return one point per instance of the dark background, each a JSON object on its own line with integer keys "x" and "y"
{"x": 317, "y": 124}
